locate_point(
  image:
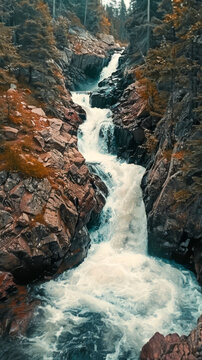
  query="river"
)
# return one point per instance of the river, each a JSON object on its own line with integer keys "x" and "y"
{"x": 110, "y": 305}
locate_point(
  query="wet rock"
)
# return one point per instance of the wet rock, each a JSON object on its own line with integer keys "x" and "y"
{"x": 39, "y": 140}
{"x": 58, "y": 142}
{"x": 12, "y": 180}
{"x": 3, "y": 177}
{"x": 8, "y": 261}
{"x": 7, "y": 285}
{"x": 32, "y": 204}
{"x": 152, "y": 140}
{"x": 16, "y": 308}
{"x": 86, "y": 56}
{"x": 23, "y": 220}
{"x": 108, "y": 39}
{"x": 5, "y": 218}
{"x": 174, "y": 347}
{"x": 70, "y": 217}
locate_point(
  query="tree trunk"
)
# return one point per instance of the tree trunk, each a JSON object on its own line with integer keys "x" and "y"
{"x": 148, "y": 23}
{"x": 53, "y": 9}
{"x": 85, "y": 13}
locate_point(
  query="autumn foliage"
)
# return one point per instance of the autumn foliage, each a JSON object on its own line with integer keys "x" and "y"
{"x": 148, "y": 91}
{"x": 105, "y": 25}
{"x": 20, "y": 154}
{"x": 13, "y": 158}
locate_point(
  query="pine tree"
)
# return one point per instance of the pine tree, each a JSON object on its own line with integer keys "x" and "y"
{"x": 142, "y": 20}
{"x": 113, "y": 14}
{"x": 35, "y": 37}
{"x": 94, "y": 13}
{"x": 61, "y": 33}
{"x": 8, "y": 56}
{"x": 122, "y": 17}
{"x": 7, "y": 10}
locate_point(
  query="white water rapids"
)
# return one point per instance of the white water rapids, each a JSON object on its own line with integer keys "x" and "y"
{"x": 111, "y": 304}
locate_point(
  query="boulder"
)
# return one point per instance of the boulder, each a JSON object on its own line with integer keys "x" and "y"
{"x": 7, "y": 285}
{"x": 174, "y": 347}
{"x": 5, "y": 218}
{"x": 16, "y": 308}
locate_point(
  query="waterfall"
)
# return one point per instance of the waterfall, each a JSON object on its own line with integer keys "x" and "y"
{"x": 110, "y": 305}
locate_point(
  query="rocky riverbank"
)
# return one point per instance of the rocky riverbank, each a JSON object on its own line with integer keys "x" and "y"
{"x": 174, "y": 347}
{"x": 47, "y": 193}
{"x": 147, "y": 138}
{"x": 161, "y": 143}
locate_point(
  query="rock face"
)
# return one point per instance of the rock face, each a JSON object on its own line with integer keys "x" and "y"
{"x": 111, "y": 89}
{"x": 132, "y": 120}
{"x": 159, "y": 144}
{"x": 130, "y": 114}
{"x": 85, "y": 57}
{"x": 174, "y": 211}
{"x": 43, "y": 217}
{"x": 16, "y": 309}
{"x": 145, "y": 137}
{"x": 174, "y": 347}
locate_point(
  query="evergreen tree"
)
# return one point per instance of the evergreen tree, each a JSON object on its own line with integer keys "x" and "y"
{"x": 93, "y": 15}
{"x": 176, "y": 64}
{"x": 143, "y": 18}
{"x": 61, "y": 27}
{"x": 118, "y": 15}
{"x": 113, "y": 15}
{"x": 122, "y": 17}
{"x": 7, "y": 10}
{"x": 8, "y": 56}
{"x": 35, "y": 36}
{"x": 180, "y": 32}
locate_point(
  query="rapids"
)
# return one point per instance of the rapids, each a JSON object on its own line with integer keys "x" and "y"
{"x": 110, "y": 305}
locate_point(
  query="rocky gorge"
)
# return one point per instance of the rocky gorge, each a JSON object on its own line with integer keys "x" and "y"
{"x": 52, "y": 200}
{"x": 142, "y": 136}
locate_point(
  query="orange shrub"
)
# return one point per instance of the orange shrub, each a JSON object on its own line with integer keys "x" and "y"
{"x": 179, "y": 155}
{"x": 13, "y": 158}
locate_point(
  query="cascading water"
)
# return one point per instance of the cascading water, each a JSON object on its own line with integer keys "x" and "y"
{"x": 106, "y": 72}
{"x": 110, "y": 305}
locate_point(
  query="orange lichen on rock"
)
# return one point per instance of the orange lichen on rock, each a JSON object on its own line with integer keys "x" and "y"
{"x": 13, "y": 158}
{"x": 20, "y": 154}
{"x": 18, "y": 311}
{"x": 18, "y": 112}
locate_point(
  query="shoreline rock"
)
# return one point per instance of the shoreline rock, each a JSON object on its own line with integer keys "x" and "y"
{"x": 174, "y": 347}
{"x": 151, "y": 140}
{"x": 47, "y": 197}
{"x": 16, "y": 308}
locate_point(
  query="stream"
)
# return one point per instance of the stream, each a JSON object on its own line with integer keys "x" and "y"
{"x": 111, "y": 304}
